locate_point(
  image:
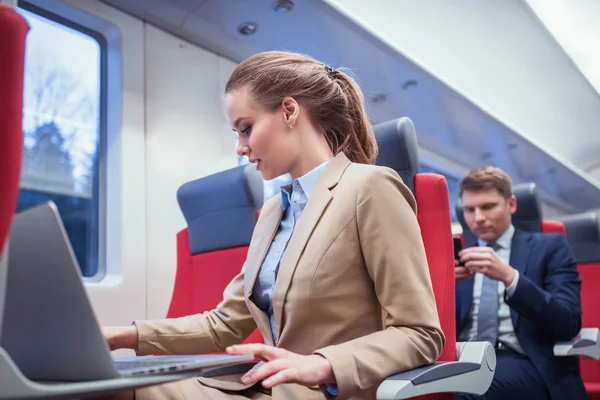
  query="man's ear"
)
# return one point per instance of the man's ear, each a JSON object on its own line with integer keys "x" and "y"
{"x": 512, "y": 204}
{"x": 291, "y": 110}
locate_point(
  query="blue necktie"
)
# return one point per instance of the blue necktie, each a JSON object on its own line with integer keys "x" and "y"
{"x": 487, "y": 319}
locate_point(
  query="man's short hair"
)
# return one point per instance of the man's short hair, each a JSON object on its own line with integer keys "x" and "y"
{"x": 487, "y": 178}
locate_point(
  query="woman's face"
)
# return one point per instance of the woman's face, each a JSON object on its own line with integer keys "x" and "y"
{"x": 264, "y": 137}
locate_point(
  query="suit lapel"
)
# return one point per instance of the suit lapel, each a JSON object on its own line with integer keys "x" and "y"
{"x": 318, "y": 202}
{"x": 255, "y": 259}
{"x": 520, "y": 251}
{"x": 464, "y": 295}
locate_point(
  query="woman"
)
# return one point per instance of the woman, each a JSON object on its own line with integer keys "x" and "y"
{"x": 335, "y": 263}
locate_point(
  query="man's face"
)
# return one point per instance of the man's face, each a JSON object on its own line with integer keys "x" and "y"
{"x": 487, "y": 213}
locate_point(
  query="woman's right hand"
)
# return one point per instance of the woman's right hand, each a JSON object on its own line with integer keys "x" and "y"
{"x": 121, "y": 337}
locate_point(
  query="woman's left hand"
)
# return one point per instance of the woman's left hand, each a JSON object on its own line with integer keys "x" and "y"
{"x": 282, "y": 366}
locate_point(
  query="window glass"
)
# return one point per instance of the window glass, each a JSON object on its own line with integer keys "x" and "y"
{"x": 62, "y": 129}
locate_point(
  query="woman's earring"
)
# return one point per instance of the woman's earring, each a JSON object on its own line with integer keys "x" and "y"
{"x": 291, "y": 125}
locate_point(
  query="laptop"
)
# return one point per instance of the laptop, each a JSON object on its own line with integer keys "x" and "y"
{"x": 49, "y": 330}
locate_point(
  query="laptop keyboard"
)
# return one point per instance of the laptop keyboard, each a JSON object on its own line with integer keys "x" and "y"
{"x": 130, "y": 365}
{"x": 162, "y": 364}
{"x": 154, "y": 364}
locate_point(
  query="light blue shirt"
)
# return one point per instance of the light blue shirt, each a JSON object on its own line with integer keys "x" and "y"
{"x": 294, "y": 197}
{"x": 273, "y": 187}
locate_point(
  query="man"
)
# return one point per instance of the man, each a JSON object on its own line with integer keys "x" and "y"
{"x": 518, "y": 290}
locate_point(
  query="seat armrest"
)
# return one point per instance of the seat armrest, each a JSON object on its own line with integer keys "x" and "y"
{"x": 472, "y": 373}
{"x": 587, "y": 343}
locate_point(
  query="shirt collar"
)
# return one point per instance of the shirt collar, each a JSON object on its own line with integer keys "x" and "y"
{"x": 504, "y": 241}
{"x": 307, "y": 183}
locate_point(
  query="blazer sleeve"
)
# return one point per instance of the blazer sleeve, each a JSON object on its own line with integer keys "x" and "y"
{"x": 394, "y": 255}
{"x": 555, "y": 307}
{"x": 229, "y": 323}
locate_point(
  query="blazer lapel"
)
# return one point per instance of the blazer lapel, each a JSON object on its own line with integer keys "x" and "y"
{"x": 315, "y": 207}
{"x": 520, "y": 251}
{"x": 255, "y": 259}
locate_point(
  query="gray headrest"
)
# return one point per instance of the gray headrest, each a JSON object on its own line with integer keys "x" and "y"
{"x": 221, "y": 209}
{"x": 583, "y": 234}
{"x": 397, "y": 142}
{"x": 528, "y": 216}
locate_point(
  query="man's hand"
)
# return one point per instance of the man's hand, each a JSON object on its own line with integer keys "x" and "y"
{"x": 486, "y": 261}
{"x": 461, "y": 273}
{"x": 283, "y": 366}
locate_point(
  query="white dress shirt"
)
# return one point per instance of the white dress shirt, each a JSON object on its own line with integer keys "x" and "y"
{"x": 506, "y": 331}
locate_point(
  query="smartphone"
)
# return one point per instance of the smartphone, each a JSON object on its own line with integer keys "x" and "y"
{"x": 457, "y": 248}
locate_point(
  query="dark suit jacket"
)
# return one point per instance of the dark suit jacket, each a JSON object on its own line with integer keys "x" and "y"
{"x": 545, "y": 307}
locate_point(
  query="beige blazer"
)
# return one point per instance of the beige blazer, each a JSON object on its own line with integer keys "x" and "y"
{"x": 353, "y": 286}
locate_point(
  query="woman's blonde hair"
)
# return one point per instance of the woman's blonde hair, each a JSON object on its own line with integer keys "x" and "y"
{"x": 333, "y": 99}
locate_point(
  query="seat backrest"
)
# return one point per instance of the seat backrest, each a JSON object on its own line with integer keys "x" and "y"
{"x": 397, "y": 142}
{"x": 13, "y": 31}
{"x": 221, "y": 211}
{"x": 583, "y": 234}
{"x": 529, "y": 212}
{"x": 553, "y": 227}
{"x": 528, "y": 216}
{"x": 398, "y": 150}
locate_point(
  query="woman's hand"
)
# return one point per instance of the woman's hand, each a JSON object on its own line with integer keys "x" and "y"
{"x": 121, "y": 337}
{"x": 282, "y": 366}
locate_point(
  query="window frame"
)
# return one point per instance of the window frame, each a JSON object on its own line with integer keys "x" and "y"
{"x": 99, "y": 183}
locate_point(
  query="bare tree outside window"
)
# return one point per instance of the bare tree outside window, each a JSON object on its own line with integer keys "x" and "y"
{"x": 60, "y": 129}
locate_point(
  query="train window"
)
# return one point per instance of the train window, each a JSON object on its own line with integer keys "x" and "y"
{"x": 452, "y": 188}
{"x": 63, "y": 127}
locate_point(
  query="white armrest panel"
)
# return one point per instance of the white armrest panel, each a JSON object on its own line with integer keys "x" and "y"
{"x": 586, "y": 344}
{"x": 472, "y": 373}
